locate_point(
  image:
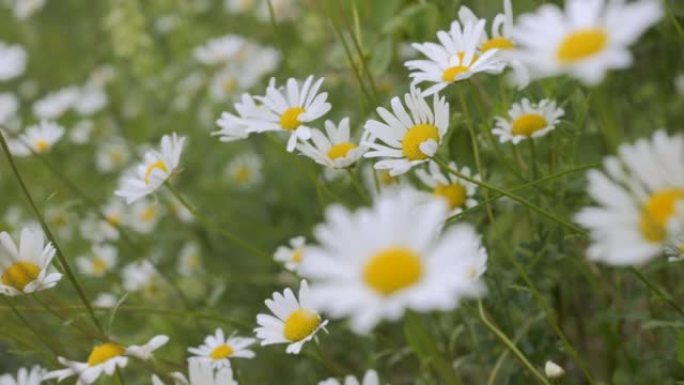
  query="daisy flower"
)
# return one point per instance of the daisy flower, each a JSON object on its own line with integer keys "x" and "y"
{"x": 105, "y": 300}
{"x": 295, "y": 322}
{"x": 9, "y": 105}
{"x": 458, "y": 193}
{"x": 34, "y": 376}
{"x": 334, "y": 148}
{"x": 376, "y": 263}
{"x": 528, "y": 120}
{"x": 585, "y": 40}
{"x": 56, "y": 104}
{"x": 141, "y": 276}
{"x": 370, "y": 378}
{"x": 26, "y": 267}
{"x": 102, "y": 259}
{"x": 218, "y": 350}
{"x": 234, "y": 127}
{"x": 201, "y": 372}
{"x": 38, "y": 138}
{"x": 640, "y": 196}
{"x": 290, "y": 108}
{"x": 409, "y": 138}
{"x": 111, "y": 155}
{"x": 189, "y": 259}
{"x": 91, "y": 99}
{"x": 12, "y": 61}
{"x": 502, "y": 27}
{"x": 221, "y": 50}
{"x": 291, "y": 256}
{"x": 455, "y": 58}
{"x": 105, "y": 358}
{"x": 144, "y": 216}
{"x": 156, "y": 168}
{"x": 245, "y": 170}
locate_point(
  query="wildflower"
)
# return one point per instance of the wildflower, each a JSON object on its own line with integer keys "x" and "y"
{"x": 218, "y": 350}
{"x": 9, "y": 105}
{"x": 553, "y": 371}
{"x": 91, "y": 99}
{"x": 33, "y": 376}
{"x": 640, "y": 196}
{"x": 105, "y": 300}
{"x": 458, "y": 193}
{"x": 37, "y": 138}
{"x": 502, "y": 27}
{"x": 201, "y": 372}
{"x": 370, "y": 378}
{"x": 189, "y": 259}
{"x": 528, "y": 120}
{"x": 56, "y": 104}
{"x": 141, "y": 276}
{"x": 291, "y": 256}
{"x": 144, "y": 216}
{"x": 23, "y": 9}
{"x": 234, "y": 127}
{"x": 334, "y": 149}
{"x": 156, "y": 168}
{"x": 26, "y": 266}
{"x": 409, "y": 139}
{"x": 220, "y": 51}
{"x": 102, "y": 259}
{"x": 111, "y": 155}
{"x": 245, "y": 170}
{"x": 12, "y": 61}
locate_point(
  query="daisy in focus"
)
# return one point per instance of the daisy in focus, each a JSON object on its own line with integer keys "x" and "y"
{"x": 527, "y": 120}
{"x": 376, "y": 263}
{"x": 295, "y": 322}
{"x": 37, "y": 139}
{"x": 34, "y": 376}
{"x": 458, "y": 193}
{"x": 201, "y": 372}
{"x": 406, "y": 138}
{"x": 12, "y": 61}
{"x": 291, "y": 256}
{"x": 26, "y": 266}
{"x": 105, "y": 358}
{"x": 334, "y": 148}
{"x": 219, "y": 350}
{"x": 101, "y": 259}
{"x": 234, "y": 127}
{"x": 156, "y": 168}
{"x": 244, "y": 170}
{"x": 370, "y": 378}
{"x": 585, "y": 40}
{"x": 640, "y": 196}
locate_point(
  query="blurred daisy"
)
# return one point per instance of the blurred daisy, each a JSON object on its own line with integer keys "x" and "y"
{"x": 34, "y": 376}
{"x": 179, "y": 210}
{"x": 290, "y": 109}
{"x": 90, "y": 100}
{"x": 409, "y": 138}
{"x": 105, "y": 300}
{"x": 234, "y": 127}
{"x": 111, "y": 155}
{"x": 201, "y": 372}
{"x": 457, "y": 192}
{"x": 12, "y": 61}
{"x": 105, "y": 358}
{"x": 189, "y": 259}
{"x": 61, "y": 220}
{"x": 81, "y": 132}
{"x": 588, "y": 39}
{"x": 26, "y": 267}
{"x": 456, "y": 58}
{"x": 502, "y": 27}
{"x": 370, "y": 378}
{"x": 334, "y": 148}
{"x": 144, "y": 216}
{"x": 221, "y": 50}
{"x": 156, "y": 168}
{"x": 376, "y": 263}
{"x": 141, "y": 276}
{"x": 640, "y": 198}
{"x": 23, "y": 9}
{"x": 291, "y": 256}
{"x": 218, "y": 350}
{"x": 56, "y": 104}
{"x": 102, "y": 258}
{"x": 37, "y": 138}
{"x": 528, "y": 120}
{"x": 295, "y": 322}
{"x": 9, "y": 105}
{"x": 245, "y": 170}
{"x": 97, "y": 230}
{"x": 232, "y": 80}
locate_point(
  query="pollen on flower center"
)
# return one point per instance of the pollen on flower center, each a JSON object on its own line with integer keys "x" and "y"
{"x": 300, "y": 324}
{"x": 340, "y": 150}
{"x": 99, "y": 265}
{"x": 105, "y": 352}
{"x": 657, "y": 212}
{"x": 158, "y": 165}
{"x": 582, "y": 44}
{"x": 242, "y": 174}
{"x": 148, "y": 214}
{"x": 501, "y": 43}
{"x": 414, "y": 137}
{"x": 455, "y": 194}
{"x": 289, "y": 120}
{"x": 222, "y": 351}
{"x": 528, "y": 124}
{"x": 42, "y": 145}
{"x": 20, "y": 274}
{"x": 450, "y": 74}
{"x": 297, "y": 256}
{"x": 393, "y": 269}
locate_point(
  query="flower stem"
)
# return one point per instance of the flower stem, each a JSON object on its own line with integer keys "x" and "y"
{"x": 657, "y": 291}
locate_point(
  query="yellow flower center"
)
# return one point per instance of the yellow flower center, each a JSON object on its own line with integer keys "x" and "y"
{"x": 385, "y": 178}
{"x": 148, "y": 214}
{"x": 42, "y": 145}
{"x": 289, "y": 120}
{"x": 221, "y": 352}
{"x": 528, "y": 124}
{"x": 297, "y": 256}
{"x": 581, "y": 44}
{"x": 501, "y": 43}
{"x": 340, "y": 150}
{"x": 450, "y": 74}
{"x": 300, "y": 324}
{"x": 242, "y": 174}
{"x": 20, "y": 274}
{"x": 392, "y": 270}
{"x": 657, "y": 211}
{"x": 414, "y": 137}
{"x": 60, "y": 220}
{"x": 158, "y": 165}
{"x": 455, "y": 194}
{"x": 105, "y": 352}
{"x": 99, "y": 265}
{"x": 114, "y": 219}
{"x": 229, "y": 85}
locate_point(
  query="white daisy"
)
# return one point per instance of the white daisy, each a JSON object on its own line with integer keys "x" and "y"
{"x": 588, "y": 39}
{"x": 201, "y": 372}
{"x": 221, "y": 50}
{"x": 295, "y": 322}
{"x": 12, "y": 61}
{"x": 291, "y": 256}
{"x": 141, "y": 276}
{"x": 144, "y": 216}
{"x": 458, "y": 193}
{"x": 105, "y": 300}
{"x": 102, "y": 258}
{"x": 218, "y": 350}
{"x": 34, "y": 376}
{"x": 23, "y": 9}
{"x": 640, "y": 198}
{"x": 245, "y": 170}
{"x": 502, "y": 27}
{"x": 456, "y": 57}
{"x": 370, "y": 378}
{"x": 189, "y": 259}
{"x": 528, "y": 120}
{"x": 334, "y": 148}
{"x": 290, "y": 108}
{"x": 156, "y": 168}
{"x": 234, "y": 127}
{"x": 91, "y": 99}
{"x": 9, "y": 105}
{"x": 81, "y": 132}
{"x": 105, "y": 358}
{"x": 409, "y": 138}
{"x": 26, "y": 267}
{"x": 56, "y": 104}
{"x": 60, "y": 219}
{"x": 111, "y": 155}
{"x": 37, "y": 138}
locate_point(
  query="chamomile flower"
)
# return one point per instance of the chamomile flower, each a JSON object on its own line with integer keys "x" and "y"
{"x": 244, "y": 170}
{"x": 91, "y": 99}
{"x": 458, "y": 193}
{"x": 26, "y": 267}
{"x": 56, "y": 104}
{"x": 105, "y": 358}
{"x": 290, "y": 109}
{"x": 9, "y": 105}
{"x": 376, "y": 263}
{"x": 408, "y": 138}
{"x": 585, "y": 40}
{"x": 291, "y": 256}
{"x": 141, "y": 276}
{"x": 97, "y": 230}
{"x": 23, "y": 9}
{"x": 528, "y": 120}
{"x": 370, "y": 378}
{"x": 334, "y": 148}
{"x": 189, "y": 259}
{"x": 221, "y": 50}
{"x": 456, "y": 58}
{"x": 111, "y": 155}
{"x": 218, "y": 350}
{"x": 12, "y": 61}
{"x": 144, "y": 216}
{"x": 201, "y": 372}
{"x": 102, "y": 258}
{"x": 33, "y": 376}
{"x": 156, "y": 168}
{"x": 502, "y": 27}
{"x": 37, "y": 138}
{"x": 60, "y": 219}
{"x": 234, "y": 127}
{"x": 105, "y": 300}
{"x": 640, "y": 196}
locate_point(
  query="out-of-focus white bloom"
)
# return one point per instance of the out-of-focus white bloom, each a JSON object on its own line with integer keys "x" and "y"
{"x": 60, "y": 219}
{"x": 527, "y": 120}
{"x": 9, "y": 105}
{"x": 101, "y": 76}
{"x": 56, "y": 104}
{"x": 166, "y": 24}
{"x": 220, "y": 51}
{"x": 111, "y": 155}
{"x": 23, "y": 9}
{"x": 291, "y": 256}
{"x": 458, "y": 193}
{"x": 179, "y": 210}
{"x": 370, "y": 378}
{"x": 102, "y": 258}
{"x": 12, "y": 61}
{"x": 105, "y": 300}
{"x": 90, "y": 100}
{"x": 201, "y": 372}
{"x": 679, "y": 84}
{"x": 190, "y": 259}
{"x": 244, "y": 170}
{"x": 334, "y": 148}
{"x": 141, "y": 276}
{"x": 38, "y": 138}
{"x": 144, "y": 216}
{"x": 218, "y": 350}
{"x": 34, "y": 376}
{"x": 81, "y": 132}
{"x": 234, "y": 127}
{"x": 553, "y": 371}
{"x": 502, "y": 27}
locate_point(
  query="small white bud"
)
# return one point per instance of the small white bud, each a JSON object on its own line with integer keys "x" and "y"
{"x": 553, "y": 371}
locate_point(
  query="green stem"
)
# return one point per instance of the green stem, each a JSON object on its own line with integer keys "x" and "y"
{"x": 657, "y": 291}
{"x": 359, "y": 189}
{"x": 533, "y": 158}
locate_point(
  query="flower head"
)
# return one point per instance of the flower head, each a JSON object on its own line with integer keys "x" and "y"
{"x": 458, "y": 193}
{"x": 528, "y": 120}
{"x": 33, "y": 376}
{"x": 370, "y": 378}
{"x": 219, "y": 350}
{"x": 291, "y": 256}
{"x": 37, "y": 139}
{"x": 334, "y": 148}
{"x": 102, "y": 259}
{"x": 12, "y": 61}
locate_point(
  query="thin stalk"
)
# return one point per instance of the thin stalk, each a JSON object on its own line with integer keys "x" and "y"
{"x": 359, "y": 189}
{"x": 533, "y": 158}
{"x": 657, "y": 291}
{"x": 33, "y": 330}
